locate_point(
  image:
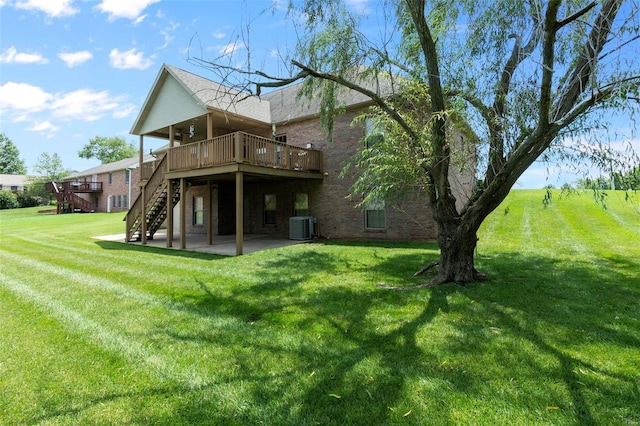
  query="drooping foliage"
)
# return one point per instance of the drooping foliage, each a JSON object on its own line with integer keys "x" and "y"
{"x": 489, "y": 85}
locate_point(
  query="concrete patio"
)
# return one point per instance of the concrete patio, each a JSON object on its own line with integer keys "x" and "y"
{"x": 222, "y": 244}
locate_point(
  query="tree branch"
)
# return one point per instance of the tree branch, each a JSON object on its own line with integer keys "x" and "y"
{"x": 577, "y": 15}
{"x": 588, "y": 58}
{"x": 548, "y": 59}
{"x": 377, "y": 99}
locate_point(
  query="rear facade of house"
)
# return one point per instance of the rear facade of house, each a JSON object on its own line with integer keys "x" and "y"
{"x": 246, "y": 165}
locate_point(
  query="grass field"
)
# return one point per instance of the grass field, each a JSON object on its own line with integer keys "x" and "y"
{"x": 99, "y": 332}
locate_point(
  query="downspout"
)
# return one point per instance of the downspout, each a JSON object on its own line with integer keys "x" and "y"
{"x": 128, "y": 170}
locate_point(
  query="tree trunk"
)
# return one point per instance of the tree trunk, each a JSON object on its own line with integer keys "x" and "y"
{"x": 457, "y": 244}
{"x": 457, "y": 247}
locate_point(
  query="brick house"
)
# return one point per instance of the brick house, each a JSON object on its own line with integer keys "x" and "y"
{"x": 104, "y": 188}
{"x": 13, "y": 183}
{"x": 238, "y": 164}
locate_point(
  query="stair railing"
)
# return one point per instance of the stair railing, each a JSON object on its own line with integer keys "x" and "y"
{"x": 135, "y": 215}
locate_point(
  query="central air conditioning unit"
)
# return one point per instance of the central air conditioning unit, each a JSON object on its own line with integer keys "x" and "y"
{"x": 301, "y": 227}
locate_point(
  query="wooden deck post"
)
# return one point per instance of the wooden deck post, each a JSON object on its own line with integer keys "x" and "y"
{"x": 209, "y": 214}
{"x": 172, "y": 138}
{"x": 238, "y": 147}
{"x": 141, "y": 153}
{"x": 169, "y": 213}
{"x": 183, "y": 213}
{"x": 143, "y": 214}
{"x": 210, "y": 125}
{"x": 239, "y": 212}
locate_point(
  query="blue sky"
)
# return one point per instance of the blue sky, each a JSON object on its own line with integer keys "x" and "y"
{"x": 71, "y": 70}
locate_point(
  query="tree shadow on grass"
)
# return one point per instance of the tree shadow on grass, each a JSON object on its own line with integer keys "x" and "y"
{"x": 350, "y": 351}
{"x": 561, "y": 308}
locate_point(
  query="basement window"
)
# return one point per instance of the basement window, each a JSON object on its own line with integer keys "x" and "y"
{"x": 198, "y": 210}
{"x": 301, "y": 204}
{"x": 270, "y": 209}
{"x": 375, "y": 215}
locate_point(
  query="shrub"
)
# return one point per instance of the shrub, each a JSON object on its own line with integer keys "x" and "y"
{"x": 8, "y": 200}
{"x": 26, "y": 200}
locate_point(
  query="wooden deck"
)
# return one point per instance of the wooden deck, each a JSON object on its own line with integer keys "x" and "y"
{"x": 204, "y": 157}
{"x": 74, "y": 186}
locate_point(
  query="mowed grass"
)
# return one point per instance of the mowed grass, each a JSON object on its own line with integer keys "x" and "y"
{"x": 106, "y": 333}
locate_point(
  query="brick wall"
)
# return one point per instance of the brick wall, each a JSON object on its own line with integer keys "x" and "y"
{"x": 116, "y": 196}
{"x": 337, "y": 214}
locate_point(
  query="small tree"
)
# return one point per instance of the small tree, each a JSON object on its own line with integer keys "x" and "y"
{"x": 107, "y": 150}
{"x": 49, "y": 168}
{"x": 10, "y": 161}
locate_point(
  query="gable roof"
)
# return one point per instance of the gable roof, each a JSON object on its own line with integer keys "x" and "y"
{"x": 13, "y": 180}
{"x": 178, "y": 95}
{"x": 286, "y": 105}
{"x": 127, "y": 163}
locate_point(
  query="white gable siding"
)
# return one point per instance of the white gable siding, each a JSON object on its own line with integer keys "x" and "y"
{"x": 172, "y": 105}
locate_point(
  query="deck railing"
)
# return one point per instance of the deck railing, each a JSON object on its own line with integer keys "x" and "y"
{"x": 154, "y": 181}
{"x": 240, "y": 147}
{"x": 147, "y": 169}
{"x": 76, "y": 186}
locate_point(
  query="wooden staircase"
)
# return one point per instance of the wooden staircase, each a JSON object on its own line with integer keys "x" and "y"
{"x": 157, "y": 194}
{"x": 68, "y": 202}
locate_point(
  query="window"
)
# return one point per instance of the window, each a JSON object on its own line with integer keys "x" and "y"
{"x": 372, "y": 133}
{"x": 96, "y": 201}
{"x": 113, "y": 201}
{"x": 374, "y": 215}
{"x": 198, "y": 210}
{"x": 120, "y": 201}
{"x": 281, "y": 138}
{"x": 270, "y": 209}
{"x": 127, "y": 176}
{"x": 110, "y": 178}
{"x": 301, "y": 204}
{"x": 125, "y": 201}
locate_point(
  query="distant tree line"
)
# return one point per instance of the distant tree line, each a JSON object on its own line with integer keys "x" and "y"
{"x": 629, "y": 180}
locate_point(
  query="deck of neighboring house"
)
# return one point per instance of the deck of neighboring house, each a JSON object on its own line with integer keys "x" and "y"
{"x": 68, "y": 200}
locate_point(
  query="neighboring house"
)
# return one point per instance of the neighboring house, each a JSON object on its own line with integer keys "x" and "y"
{"x": 13, "y": 183}
{"x": 239, "y": 164}
{"x": 104, "y": 188}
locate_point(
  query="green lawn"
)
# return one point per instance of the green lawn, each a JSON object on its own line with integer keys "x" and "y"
{"x": 98, "y": 332}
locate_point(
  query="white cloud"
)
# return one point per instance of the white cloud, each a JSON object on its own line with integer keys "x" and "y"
{"x": 124, "y": 111}
{"x": 53, "y": 8}
{"x": 84, "y": 104}
{"x": 219, "y": 35}
{"x": 12, "y": 56}
{"x": 22, "y": 97}
{"x": 228, "y": 49}
{"x": 139, "y": 19}
{"x": 361, "y": 6}
{"x": 130, "y": 9}
{"x": 45, "y": 127}
{"x": 167, "y": 33}
{"x": 73, "y": 59}
{"x": 129, "y": 59}
{"x": 21, "y": 102}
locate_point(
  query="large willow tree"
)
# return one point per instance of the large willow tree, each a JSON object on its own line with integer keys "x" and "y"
{"x": 526, "y": 77}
